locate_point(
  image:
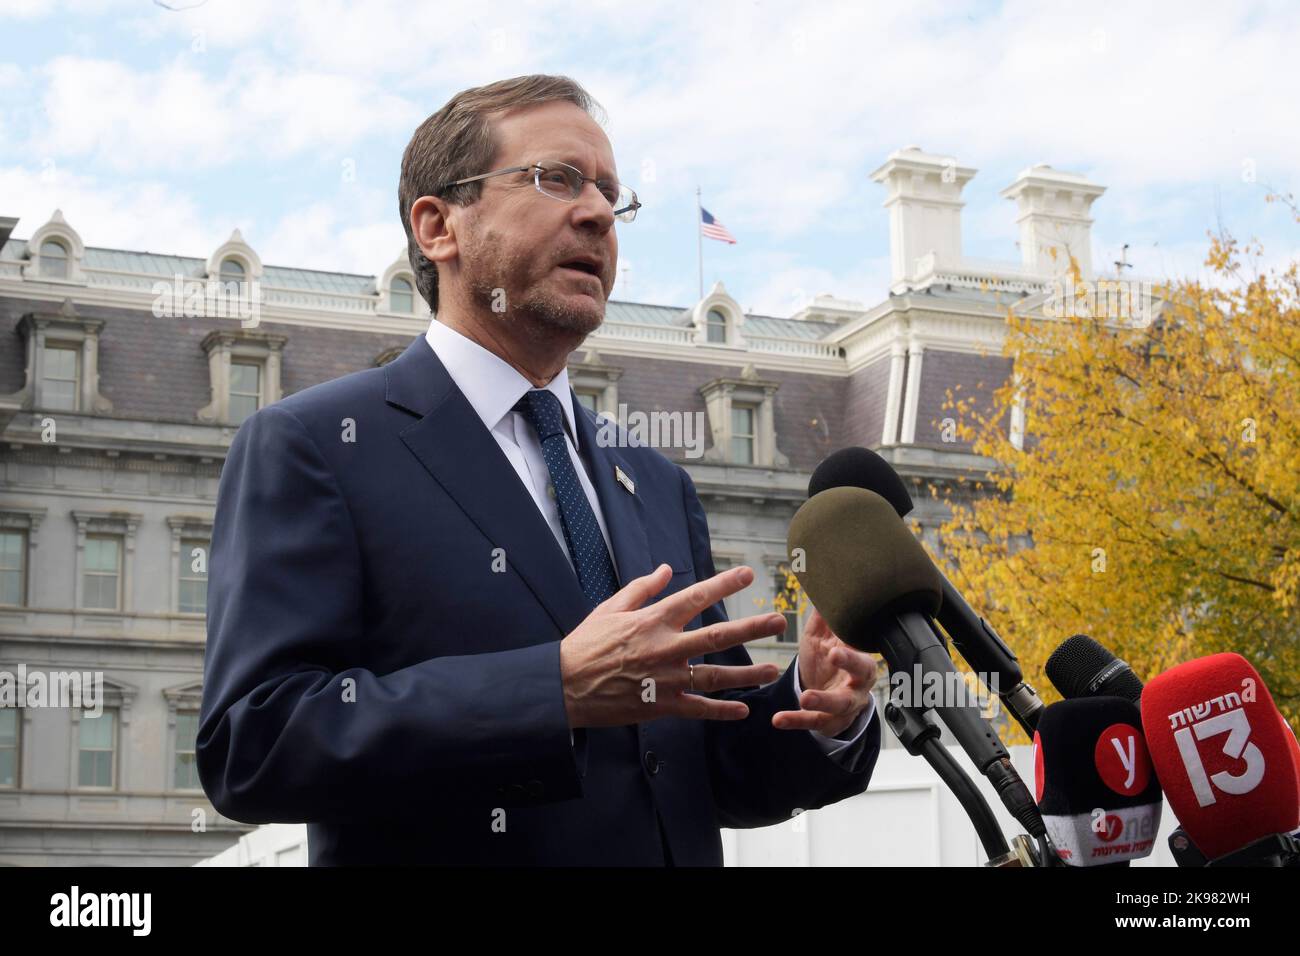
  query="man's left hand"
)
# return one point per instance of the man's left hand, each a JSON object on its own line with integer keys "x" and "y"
{"x": 836, "y": 681}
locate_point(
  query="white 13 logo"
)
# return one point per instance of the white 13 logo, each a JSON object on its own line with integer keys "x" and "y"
{"x": 1236, "y": 725}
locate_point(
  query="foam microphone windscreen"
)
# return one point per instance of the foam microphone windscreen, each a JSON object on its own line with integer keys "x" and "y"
{"x": 1222, "y": 753}
{"x": 856, "y": 561}
{"x": 861, "y": 468}
{"x": 1093, "y": 781}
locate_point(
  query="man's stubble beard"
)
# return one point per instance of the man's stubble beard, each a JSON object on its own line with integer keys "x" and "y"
{"x": 494, "y": 277}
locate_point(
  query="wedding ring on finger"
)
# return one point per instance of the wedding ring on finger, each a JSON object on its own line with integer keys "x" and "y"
{"x": 690, "y": 668}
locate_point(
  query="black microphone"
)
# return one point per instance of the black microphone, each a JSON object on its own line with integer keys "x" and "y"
{"x": 1081, "y": 667}
{"x": 973, "y": 636}
{"x": 876, "y": 587}
{"x": 1094, "y": 781}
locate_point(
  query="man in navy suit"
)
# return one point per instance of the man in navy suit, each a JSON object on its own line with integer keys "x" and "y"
{"x": 448, "y": 622}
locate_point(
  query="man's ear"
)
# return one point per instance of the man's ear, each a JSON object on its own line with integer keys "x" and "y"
{"x": 433, "y": 224}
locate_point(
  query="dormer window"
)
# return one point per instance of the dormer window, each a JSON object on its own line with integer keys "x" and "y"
{"x": 54, "y": 259}
{"x": 232, "y": 276}
{"x": 401, "y": 295}
{"x": 55, "y": 253}
{"x": 742, "y": 417}
{"x": 244, "y": 372}
{"x": 717, "y": 326}
{"x": 62, "y": 359}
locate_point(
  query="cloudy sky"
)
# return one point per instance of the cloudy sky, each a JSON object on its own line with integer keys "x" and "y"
{"x": 164, "y": 129}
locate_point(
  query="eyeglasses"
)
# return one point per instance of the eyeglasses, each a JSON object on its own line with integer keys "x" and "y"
{"x": 561, "y": 181}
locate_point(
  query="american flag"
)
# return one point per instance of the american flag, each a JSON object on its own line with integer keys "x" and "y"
{"x": 712, "y": 229}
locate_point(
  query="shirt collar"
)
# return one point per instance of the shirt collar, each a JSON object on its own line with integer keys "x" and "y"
{"x": 490, "y": 384}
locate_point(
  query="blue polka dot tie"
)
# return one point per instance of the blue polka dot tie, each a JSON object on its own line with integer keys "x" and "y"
{"x": 581, "y": 531}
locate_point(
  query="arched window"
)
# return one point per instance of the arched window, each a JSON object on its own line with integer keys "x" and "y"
{"x": 54, "y": 259}
{"x": 401, "y": 296}
{"x": 717, "y": 326}
{"x": 232, "y": 276}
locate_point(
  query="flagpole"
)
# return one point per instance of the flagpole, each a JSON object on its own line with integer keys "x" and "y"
{"x": 699, "y": 236}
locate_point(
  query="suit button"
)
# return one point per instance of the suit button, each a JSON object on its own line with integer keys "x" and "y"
{"x": 652, "y": 762}
{"x": 536, "y": 788}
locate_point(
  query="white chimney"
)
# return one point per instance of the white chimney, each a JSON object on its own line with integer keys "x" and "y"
{"x": 1054, "y": 211}
{"x": 924, "y": 204}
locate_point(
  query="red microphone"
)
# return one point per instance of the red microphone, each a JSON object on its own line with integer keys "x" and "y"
{"x": 1224, "y": 755}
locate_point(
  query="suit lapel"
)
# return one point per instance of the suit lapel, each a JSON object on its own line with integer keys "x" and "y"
{"x": 456, "y": 449}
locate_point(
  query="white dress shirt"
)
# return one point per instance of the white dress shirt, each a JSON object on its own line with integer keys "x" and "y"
{"x": 492, "y": 387}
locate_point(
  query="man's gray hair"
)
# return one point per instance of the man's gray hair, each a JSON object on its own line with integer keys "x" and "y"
{"x": 458, "y": 141}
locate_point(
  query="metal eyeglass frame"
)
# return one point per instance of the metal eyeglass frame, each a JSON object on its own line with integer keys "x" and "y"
{"x": 625, "y": 214}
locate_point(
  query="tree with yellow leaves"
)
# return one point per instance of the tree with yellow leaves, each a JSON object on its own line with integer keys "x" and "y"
{"x": 1153, "y": 500}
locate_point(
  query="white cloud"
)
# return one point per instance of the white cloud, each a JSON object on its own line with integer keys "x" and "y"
{"x": 319, "y": 237}
{"x": 178, "y": 118}
{"x": 149, "y": 216}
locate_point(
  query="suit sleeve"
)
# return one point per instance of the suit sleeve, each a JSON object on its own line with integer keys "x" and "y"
{"x": 292, "y": 729}
{"x": 762, "y": 775}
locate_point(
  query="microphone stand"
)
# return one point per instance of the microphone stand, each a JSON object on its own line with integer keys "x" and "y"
{"x": 921, "y": 739}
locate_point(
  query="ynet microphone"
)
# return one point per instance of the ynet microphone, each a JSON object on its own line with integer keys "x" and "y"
{"x": 974, "y": 637}
{"x": 1094, "y": 783}
{"x": 1080, "y": 667}
{"x": 1223, "y": 754}
{"x": 874, "y": 584}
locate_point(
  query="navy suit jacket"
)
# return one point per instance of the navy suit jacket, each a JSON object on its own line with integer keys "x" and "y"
{"x": 384, "y": 625}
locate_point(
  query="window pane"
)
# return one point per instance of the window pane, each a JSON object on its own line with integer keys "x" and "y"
{"x": 245, "y": 390}
{"x": 8, "y": 747}
{"x": 742, "y": 422}
{"x": 742, "y": 451}
{"x": 244, "y": 378}
{"x": 59, "y": 381}
{"x": 101, "y": 554}
{"x": 96, "y": 732}
{"x": 13, "y": 561}
{"x": 101, "y": 592}
{"x": 193, "y": 591}
{"x": 587, "y": 400}
{"x": 717, "y": 327}
{"x": 60, "y": 396}
{"x": 86, "y": 769}
{"x": 400, "y": 297}
{"x": 54, "y": 259}
{"x": 241, "y": 407}
{"x": 60, "y": 363}
{"x": 97, "y": 740}
{"x": 187, "y": 731}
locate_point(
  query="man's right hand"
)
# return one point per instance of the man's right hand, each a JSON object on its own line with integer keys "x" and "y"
{"x": 608, "y": 660}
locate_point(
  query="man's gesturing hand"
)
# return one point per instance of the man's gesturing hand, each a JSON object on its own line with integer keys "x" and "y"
{"x": 836, "y": 681}
{"x": 608, "y": 660}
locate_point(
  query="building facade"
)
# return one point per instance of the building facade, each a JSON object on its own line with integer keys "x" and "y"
{"x": 124, "y": 375}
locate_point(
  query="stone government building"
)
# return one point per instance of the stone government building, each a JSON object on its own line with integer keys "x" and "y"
{"x": 105, "y": 517}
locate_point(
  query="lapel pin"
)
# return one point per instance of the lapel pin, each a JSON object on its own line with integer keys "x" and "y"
{"x": 624, "y": 480}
